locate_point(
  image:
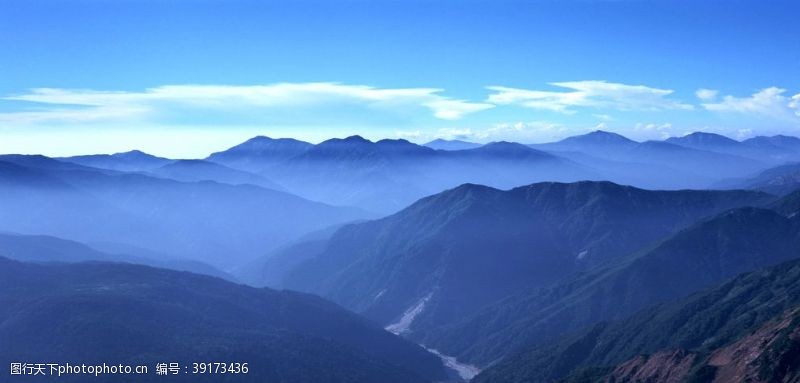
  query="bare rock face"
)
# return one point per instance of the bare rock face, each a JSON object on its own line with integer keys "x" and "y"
{"x": 666, "y": 366}
{"x": 770, "y": 354}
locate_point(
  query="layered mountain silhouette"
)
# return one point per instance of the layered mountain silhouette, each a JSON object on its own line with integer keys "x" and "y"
{"x": 442, "y": 144}
{"x": 42, "y": 248}
{"x": 200, "y": 170}
{"x": 780, "y": 141}
{"x": 780, "y": 180}
{"x": 98, "y": 313}
{"x": 743, "y": 330}
{"x": 532, "y": 262}
{"x": 387, "y": 175}
{"x": 757, "y": 148}
{"x": 211, "y": 222}
{"x": 455, "y": 252}
{"x": 697, "y": 257}
{"x": 697, "y": 160}
{"x": 134, "y": 160}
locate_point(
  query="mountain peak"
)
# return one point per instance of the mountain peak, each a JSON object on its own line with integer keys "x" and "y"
{"x": 134, "y": 154}
{"x": 260, "y": 152}
{"x": 389, "y": 141}
{"x": 260, "y": 143}
{"x": 781, "y": 141}
{"x": 441, "y": 141}
{"x": 704, "y": 138}
{"x": 508, "y": 149}
{"x": 357, "y": 138}
{"x": 442, "y": 144}
{"x": 259, "y": 139}
{"x": 599, "y": 137}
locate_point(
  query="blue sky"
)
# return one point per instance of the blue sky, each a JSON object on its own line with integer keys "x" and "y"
{"x": 183, "y": 78}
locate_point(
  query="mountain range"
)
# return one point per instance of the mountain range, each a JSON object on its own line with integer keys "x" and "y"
{"x": 387, "y": 175}
{"x": 42, "y": 248}
{"x": 132, "y": 161}
{"x": 216, "y": 223}
{"x": 442, "y": 144}
{"x": 780, "y": 180}
{"x": 594, "y": 258}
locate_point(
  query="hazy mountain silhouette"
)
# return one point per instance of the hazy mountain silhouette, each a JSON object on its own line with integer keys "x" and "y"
{"x": 132, "y": 161}
{"x": 116, "y": 313}
{"x": 758, "y": 149}
{"x": 656, "y": 164}
{"x": 780, "y": 141}
{"x": 442, "y": 144}
{"x": 200, "y": 170}
{"x": 705, "y": 141}
{"x": 206, "y": 221}
{"x": 42, "y": 248}
{"x": 781, "y": 180}
{"x": 387, "y": 175}
{"x": 711, "y": 165}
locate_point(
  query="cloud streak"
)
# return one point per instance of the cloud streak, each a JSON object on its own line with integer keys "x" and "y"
{"x": 588, "y": 94}
{"x": 71, "y": 105}
{"x": 769, "y": 102}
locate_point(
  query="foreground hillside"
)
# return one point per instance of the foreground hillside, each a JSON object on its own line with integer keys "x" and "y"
{"x": 453, "y": 253}
{"x": 701, "y": 256}
{"x": 118, "y": 313}
{"x": 744, "y": 330}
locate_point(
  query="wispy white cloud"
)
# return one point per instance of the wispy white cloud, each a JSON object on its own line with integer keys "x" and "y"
{"x": 592, "y": 94}
{"x": 409, "y": 134}
{"x": 520, "y": 131}
{"x": 76, "y": 105}
{"x": 769, "y": 102}
{"x": 457, "y": 134}
{"x": 656, "y": 130}
{"x": 795, "y": 104}
{"x": 706, "y": 94}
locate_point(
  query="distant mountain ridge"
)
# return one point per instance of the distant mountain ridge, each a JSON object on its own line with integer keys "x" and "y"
{"x": 697, "y": 160}
{"x": 134, "y": 160}
{"x": 442, "y": 144}
{"x": 780, "y": 180}
{"x": 201, "y": 170}
{"x": 387, "y": 175}
{"x": 42, "y": 248}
